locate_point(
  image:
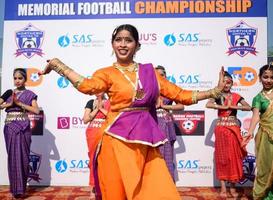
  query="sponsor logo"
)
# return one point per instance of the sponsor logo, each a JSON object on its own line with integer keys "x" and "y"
{"x": 192, "y": 166}
{"x": 34, "y": 166}
{"x": 242, "y": 39}
{"x": 36, "y": 123}
{"x": 242, "y": 77}
{"x": 29, "y": 41}
{"x": 70, "y": 122}
{"x": 148, "y": 38}
{"x": 74, "y": 166}
{"x": 186, "y": 39}
{"x": 79, "y": 40}
{"x": 190, "y": 81}
{"x": 33, "y": 78}
{"x": 62, "y": 82}
{"x": 61, "y": 166}
{"x": 63, "y": 123}
{"x": 189, "y": 122}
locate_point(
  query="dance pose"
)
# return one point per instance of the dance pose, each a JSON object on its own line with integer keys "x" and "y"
{"x": 262, "y": 108}
{"x": 229, "y": 153}
{"x": 129, "y": 164}
{"x": 17, "y": 103}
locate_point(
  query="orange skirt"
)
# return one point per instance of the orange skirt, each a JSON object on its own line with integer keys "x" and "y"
{"x": 130, "y": 171}
{"x": 93, "y": 136}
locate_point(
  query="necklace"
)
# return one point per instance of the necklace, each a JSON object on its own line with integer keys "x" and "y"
{"x": 131, "y": 68}
{"x": 268, "y": 92}
{"x": 139, "y": 91}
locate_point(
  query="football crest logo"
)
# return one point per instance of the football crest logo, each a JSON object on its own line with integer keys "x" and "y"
{"x": 29, "y": 41}
{"x": 242, "y": 39}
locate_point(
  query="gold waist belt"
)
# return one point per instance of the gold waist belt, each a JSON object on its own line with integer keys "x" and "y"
{"x": 16, "y": 116}
{"x": 227, "y": 121}
{"x": 134, "y": 108}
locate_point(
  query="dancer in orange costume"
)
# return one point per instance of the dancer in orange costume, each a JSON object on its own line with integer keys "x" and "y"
{"x": 130, "y": 166}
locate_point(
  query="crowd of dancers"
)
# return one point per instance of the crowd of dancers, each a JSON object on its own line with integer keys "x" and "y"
{"x": 130, "y": 134}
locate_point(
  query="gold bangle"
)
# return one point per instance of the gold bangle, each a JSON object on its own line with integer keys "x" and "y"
{"x": 194, "y": 96}
{"x": 214, "y": 93}
{"x": 58, "y": 66}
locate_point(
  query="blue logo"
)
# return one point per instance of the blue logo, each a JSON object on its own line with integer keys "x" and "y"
{"x": 76, "y": 40}
{"x": 188, "y": 164}
{"x": 169, "y": 40}
{"x": 62, "y": 82}
{"x": 61, "y": 166}
{"x": 29, "y": 41}
{"x": 185, "y": 79}
{"x": 64, "y": 41}
{"x": 242, "y": 39}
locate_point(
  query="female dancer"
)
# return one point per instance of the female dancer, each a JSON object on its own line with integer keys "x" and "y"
{"x": 94, "y": 114}
{"x": 229, "y": 153}
{"x": 262, "y": 108}
{"x": 129, "y": 164}
{"x": 18, "y": 103}
{"x": 166, "y": 125}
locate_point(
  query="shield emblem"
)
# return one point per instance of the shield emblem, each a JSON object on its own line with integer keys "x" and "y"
{"x": 242, "y": 39}
{"x": 34, "y": 166}
{"x": 29, "y": 41}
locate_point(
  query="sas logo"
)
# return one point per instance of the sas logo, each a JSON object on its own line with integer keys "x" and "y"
{"x": 73, "y": 165}
{"x": 242, "y": 39}
{"x": 61, "y": 166}
{"x": 243, "y": 76}
{"x": 79, "y": 40}
{"x": 186, "y": 39}
{"x": 62, "y": 82}
{"x": 33, "y": 78}
{"x": 188, "y": 164}
{"x": 29, "y": 41}
{"x": 181, "y": 79}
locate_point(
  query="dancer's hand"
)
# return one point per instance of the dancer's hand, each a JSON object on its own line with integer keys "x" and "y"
{"x": 246, "y": 139}
{"x": 221, "y": 82}
{"x": 51, "y": 64}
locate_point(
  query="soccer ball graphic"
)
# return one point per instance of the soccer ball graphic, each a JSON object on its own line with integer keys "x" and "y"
{"x": 34, "y": 77}
{"x": 29, "y": 43}
{"x": 188, "y": 125}
{"x": 241, "y": 42}
{"x": 249, "y": 76}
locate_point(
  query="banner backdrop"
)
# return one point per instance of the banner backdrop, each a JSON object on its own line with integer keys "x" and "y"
{"x": 192, "y": 39}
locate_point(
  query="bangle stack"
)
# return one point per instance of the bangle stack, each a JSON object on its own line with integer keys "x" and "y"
{"x": 214, "y": 93}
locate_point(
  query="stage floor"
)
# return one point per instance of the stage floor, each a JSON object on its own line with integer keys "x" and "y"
{"x": 82, "y": 193}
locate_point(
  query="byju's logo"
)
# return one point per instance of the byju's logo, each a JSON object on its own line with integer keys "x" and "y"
{"x": 243, "y": 76}
{"x": 242, "y": 38}
{"x": 63, "y": 123}
{"x": 29, "y": 41}
{"x": 61, "y": 166}
{"x": 62, "y": 82}
{"x": 148, "y": 38}
{"x": 76, "y": 40}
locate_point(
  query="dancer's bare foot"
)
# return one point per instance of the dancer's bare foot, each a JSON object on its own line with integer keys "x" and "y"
{"x": 92, "y": 193}
{"x": 234, "y": 193}
{"x": 223, "y": 194}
